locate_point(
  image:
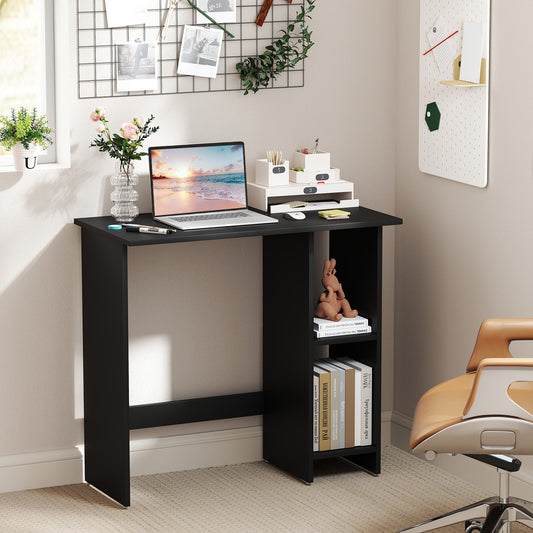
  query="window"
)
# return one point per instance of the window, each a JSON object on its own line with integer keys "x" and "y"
{"x": 27, "y": 62}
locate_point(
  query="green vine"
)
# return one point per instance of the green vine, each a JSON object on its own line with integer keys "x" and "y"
{"x": 284, "y": 53}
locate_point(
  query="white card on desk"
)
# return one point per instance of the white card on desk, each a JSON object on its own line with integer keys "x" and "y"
{"x": 472, "y": 52}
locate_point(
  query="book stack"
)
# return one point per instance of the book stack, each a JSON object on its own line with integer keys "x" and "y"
{"x": 345, "y": 326}
{"x": 334, "y": 214}
{"x": 342, "y": 404}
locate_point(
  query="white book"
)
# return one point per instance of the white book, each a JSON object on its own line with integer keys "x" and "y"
{"x": 342, "y": 398}
{"x": 334, "y": 402}
{"x": 357, "y": 330}
{"x": 344, "y": 322}
{"x": 316, "y": 411}
{"x": 358, "y": 415}
{"x": 366, "y": 399}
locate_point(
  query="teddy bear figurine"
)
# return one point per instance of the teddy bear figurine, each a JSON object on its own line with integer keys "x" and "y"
{"x": 333, "y": 300}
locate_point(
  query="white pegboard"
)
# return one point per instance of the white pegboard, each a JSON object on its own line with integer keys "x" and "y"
{"x": 458, "y": 149}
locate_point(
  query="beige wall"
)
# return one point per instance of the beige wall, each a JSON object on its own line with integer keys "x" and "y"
{"x": 463, "y": 254}
{"x": 348, "y": 101}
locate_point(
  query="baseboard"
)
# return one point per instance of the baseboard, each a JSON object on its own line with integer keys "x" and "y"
{"x": 474, "y": 472}
{"x": 40, "y": 469}
{"x": 148, "y": 456}
{"x": 198, "y": 450}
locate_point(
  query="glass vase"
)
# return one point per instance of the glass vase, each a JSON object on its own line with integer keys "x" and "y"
{"x": 124, "y": 195}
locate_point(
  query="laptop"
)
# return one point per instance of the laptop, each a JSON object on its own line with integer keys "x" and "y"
{"x": 199, "y": 186}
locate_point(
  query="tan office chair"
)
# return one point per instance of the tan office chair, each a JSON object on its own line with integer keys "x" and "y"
{"x": 484, "y": 413}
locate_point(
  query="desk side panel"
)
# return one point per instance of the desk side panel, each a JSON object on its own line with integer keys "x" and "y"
{"x": 105, "y": 365}
{"x": 287, "y": 364}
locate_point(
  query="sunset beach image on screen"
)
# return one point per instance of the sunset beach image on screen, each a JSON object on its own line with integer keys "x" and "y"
{"x": 192, "y": 179}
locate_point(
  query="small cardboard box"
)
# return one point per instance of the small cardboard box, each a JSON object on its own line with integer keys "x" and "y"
{"x": 315, "y": 176}
{"x": 270, "y": 175}
{"x": 318, "y": 161}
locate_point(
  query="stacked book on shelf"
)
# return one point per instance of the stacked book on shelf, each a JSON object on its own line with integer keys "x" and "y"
{"x": 342, "y": 404}
{"x": 345, "y": 326}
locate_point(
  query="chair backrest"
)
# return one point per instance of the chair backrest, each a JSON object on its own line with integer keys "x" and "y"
{"x": 495, "y": 336}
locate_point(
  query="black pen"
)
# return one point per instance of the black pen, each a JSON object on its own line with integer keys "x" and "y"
{"x": 142, "y": 229}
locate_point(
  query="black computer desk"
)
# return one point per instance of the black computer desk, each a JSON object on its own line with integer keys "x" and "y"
{"x": 286, "y": 399}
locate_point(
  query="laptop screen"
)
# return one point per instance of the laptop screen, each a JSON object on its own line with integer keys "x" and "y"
{"x": 197, "y": 178}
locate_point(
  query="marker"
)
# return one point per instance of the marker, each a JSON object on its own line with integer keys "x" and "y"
{"x": 144, "y": 226}
{"x": 143, "y": 229}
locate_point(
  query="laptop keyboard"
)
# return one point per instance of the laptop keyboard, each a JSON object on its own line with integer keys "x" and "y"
{"x": 210, "y": 216}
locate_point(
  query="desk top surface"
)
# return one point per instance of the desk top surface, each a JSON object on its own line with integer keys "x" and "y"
{"x": 360, "y": 217}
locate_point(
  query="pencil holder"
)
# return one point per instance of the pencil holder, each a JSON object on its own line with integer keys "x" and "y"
{"x": 318, "y": 161}
{"x": 271, "y": 175}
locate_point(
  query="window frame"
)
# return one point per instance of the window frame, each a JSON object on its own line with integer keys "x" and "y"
{"x": 49, "y": 46}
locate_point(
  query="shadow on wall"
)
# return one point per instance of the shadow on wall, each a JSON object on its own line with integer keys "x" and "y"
{"x": 9, "y": 179}
{"x": 40, "y": 328}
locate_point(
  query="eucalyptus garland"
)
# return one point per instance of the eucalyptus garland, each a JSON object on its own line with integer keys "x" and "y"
{"x": 284, "y": 53}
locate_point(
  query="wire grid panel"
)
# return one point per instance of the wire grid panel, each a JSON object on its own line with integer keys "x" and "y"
{"x": 97, "y": 43}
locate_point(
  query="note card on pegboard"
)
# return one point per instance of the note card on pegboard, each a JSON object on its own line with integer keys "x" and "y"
{"x": 453, "y": 92}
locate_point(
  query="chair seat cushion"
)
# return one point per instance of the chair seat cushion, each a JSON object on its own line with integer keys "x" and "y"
{"x": 440, "y": 407}
{"x": 443, "y": 405}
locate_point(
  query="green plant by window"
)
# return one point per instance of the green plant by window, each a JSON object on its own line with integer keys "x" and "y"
{"x": 257, "y": 71}
{"x": 25, "y": 128}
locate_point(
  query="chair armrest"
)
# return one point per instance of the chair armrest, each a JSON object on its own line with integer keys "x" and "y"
{"x": 489, "y": 395}
{"x": 495, "y": 335}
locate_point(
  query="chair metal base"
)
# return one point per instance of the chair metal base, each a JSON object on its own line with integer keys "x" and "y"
{"x": 497, "y": 515}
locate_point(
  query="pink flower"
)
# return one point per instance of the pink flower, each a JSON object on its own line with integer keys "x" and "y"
{"x": 97, "y": 114}
{"x": 129, "y": 131}
{"x": 100, "y": 127}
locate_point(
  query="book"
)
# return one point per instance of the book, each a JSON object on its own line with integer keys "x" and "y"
{"x": 322, "y": 324}
{"x": 366, "y": 399}
{"x": 316, "y": 411}
{"x": 356, "y": 330}
{"x": 352, "y": 400}
{"x": 324, "y": 381}
{"x": 337, "y": 403}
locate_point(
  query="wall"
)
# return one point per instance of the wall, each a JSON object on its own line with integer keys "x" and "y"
{"x": 348, "y": 101}
{"x": 463, "y": 254}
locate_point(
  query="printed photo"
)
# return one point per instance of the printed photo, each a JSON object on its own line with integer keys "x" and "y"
{"x": 136, "y": 67}
{"x": 200, "y": 51}
{"x": 121, "y": 13}
{"x": 219, "y": 10}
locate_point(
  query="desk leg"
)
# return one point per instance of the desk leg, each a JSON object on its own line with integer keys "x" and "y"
{"x": 105, "y": 366}
{"x": 288, "y": 306}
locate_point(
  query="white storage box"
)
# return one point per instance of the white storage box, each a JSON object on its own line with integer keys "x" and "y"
{"x": 315, "y": 176}
{"x": 271, "y": 175}
{"x": 318, "y": 161}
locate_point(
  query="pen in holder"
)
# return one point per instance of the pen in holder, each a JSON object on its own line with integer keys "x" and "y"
{"x": 272, "y": 171}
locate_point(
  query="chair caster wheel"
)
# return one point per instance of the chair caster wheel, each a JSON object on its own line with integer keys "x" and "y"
{"x": 473, "y": 526}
